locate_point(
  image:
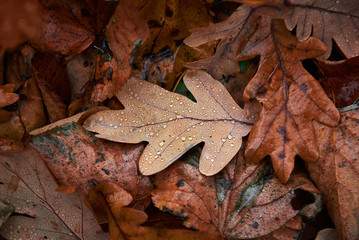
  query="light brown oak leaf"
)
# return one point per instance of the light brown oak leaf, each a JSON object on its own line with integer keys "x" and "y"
{"x": 241, "y": 202}
{"x": 172, "y": 123}
{"x": 337, "y": 172}
{"x": 40, "y": 212}
{"x": 291, "y": 98}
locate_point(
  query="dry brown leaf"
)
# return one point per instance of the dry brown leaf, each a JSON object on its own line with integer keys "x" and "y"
{"x": 41, "y": 211}
{"x": 76, "y": 158}
{"x": 7, "y": 97}
{"x": 336, "y": 20}
{"x": 309, "y": 17}
{"x": 241, "y": 202}
{"x": 162, "y": 54}
{"x": 172, "y": 123}
{"x": 337, "y": 172}
{"x": 124, "y": 29}
{"x": 125, "y": 222}
{"x": 291, "y": 98}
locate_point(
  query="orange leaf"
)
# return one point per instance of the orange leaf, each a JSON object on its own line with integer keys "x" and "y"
{"x": 241, "y": 202}
{"x": 61, "y": 31}
{"x": 124, "y": 29}
{"x": 291, "y": 98}
{"x": 172, "y": 123}
{"x": 125, "y": 222}
{"x": 6, "y": 95}
{"x": 40, "y": 210}
{"x": 337, "y": 172}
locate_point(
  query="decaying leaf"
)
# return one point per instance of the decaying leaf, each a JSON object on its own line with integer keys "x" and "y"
{"x": 241, "y": 202}
{"x": 327, "y": 21}
{"x": 7, "y": 97}
{"x": 19, "y": 22}
{"x": 125, "y": 222}
{"x": 41, "y": 211}
{"x": 172, "y": 123}
{"x": 61, "y": 31}
{"x": 291, "y": 98}
{"x": 337, "y": 172}
{"x": 124, "y": 29}
{"x": 162, "y": 54}
{"x": 340, "y": 80}
{"x": 76, "y": 158}
{"x": 310, "y": 18}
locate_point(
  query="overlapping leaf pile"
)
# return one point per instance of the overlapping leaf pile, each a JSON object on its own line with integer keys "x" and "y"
{"x": 249, "y": 98}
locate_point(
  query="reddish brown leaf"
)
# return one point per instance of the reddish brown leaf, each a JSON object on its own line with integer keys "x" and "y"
{"x": 7, "y": 97}
{"x": 76, "y": 158}
{"x": 340, "y": 80}
{"x": 291, "y": 98}
{"x": 327, "y": 21}
{"x": 169, "y": 23}
{"x": 19, "y": 22}
{"x": 125, "y": 222}
{"x": 337, "y": 172}
{"x": 124, "y": 29}
{"x": 172, "y": 123}
{"x": 40, "y": 210}
{"x": 29, "y": 114}
{"x": 241, "y": 202}
{"x": 61, "y": 31}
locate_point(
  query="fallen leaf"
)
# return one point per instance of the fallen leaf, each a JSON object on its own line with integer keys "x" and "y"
{"x": 40, "y": 211}
{"x": 308, "y": 18}
{"x": 291, "y": 98}
{"x": 6, "y": 209}
{"x": 162, "y": 54}
{"x": 7, "y": 97}
{"x": 125, "y": 222}
{"x": 340, "y": 80}
{"x": 76, "y": 158}
{"x": 124, "y": 29}
{"x": 328, "y": 234}
{"x": 172, "y": 123}
{"x": 241, "y": 202}
{"x": 337, "y": 172}
{"x": 29, "y": 113}
{"x": 61, "y": 31}
{"x": 20, "y": 22}
{"x": 312, "y": 18}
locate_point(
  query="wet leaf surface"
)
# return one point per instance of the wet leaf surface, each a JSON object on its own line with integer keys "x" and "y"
{"x": 241, "y": 202}
{"x": 40, "y": 210}
{"x": 172, "y": 124}
{"x": 77, "y": 158}
{"x": 337, "y": 172}
{"x": 291, "y": 98}
{"x": 125, "y": 222}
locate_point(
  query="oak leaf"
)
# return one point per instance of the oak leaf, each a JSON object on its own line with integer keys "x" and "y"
{"x": 241, "y": 202}
{"x": 172, "y": 123}
{"x": 41, "y": 211}
{"x": 291, "y": 98}
{"x": 125, "y": 222}
{"x": 337, "y": 172}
